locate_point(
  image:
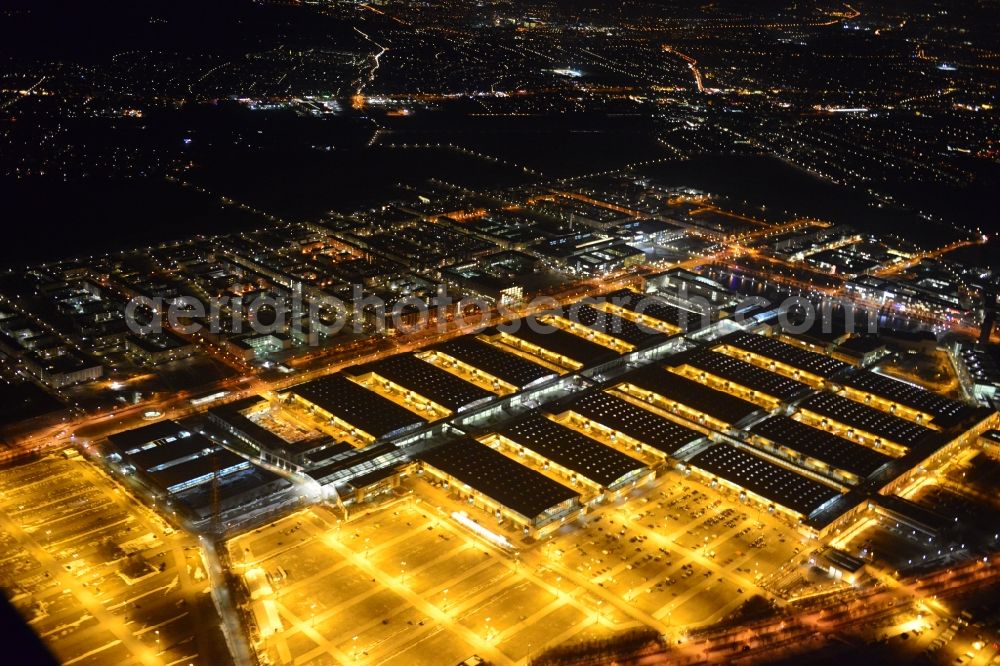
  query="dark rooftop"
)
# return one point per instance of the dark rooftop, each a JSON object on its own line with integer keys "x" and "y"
{"x": 913, "y": 512}
{"x": 742, "y": 373}
{"x": 628, "y": 419}
{"x": 479, "y": 354}
{"x": 843, "y": 560}
{"x": 612, "y": 325}
{"x": 493, "y": 474}
{"x": 654, "y": 307}
{"x": 217, "y": 462}
{"x": 427, "y": 380}
{"x": 231, "y": 486}
{"x": 569, "y": 449}
{"x": 560, "y": 342}
{"x": 860, "y": 345}
{"x": 364, "y": 409}
{"x": 131, "y": 439}
{"x": 165, "y": 453}
{"x": 946, "y": 412}
{"x": 821, "y": 445}
{"x": 860, "y": 416}
{"x": 757, "y": 475}
{"x": 355, "y": 458}
{"x": 803, "y": 359}
{"x": 722, "y": 406}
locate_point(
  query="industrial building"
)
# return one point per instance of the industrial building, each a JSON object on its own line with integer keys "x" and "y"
{"x": 652, "y": 312}
{"x": 782, "y": 358}
{"x": 353, "y": 407}
{"x": 687, "y": 398}
{"x": 857, "y": 421}
{"x": 501, "y": 485}
{"x": 756, "y": 478}
{"x": 575, "y": 457}
{"x": 418, "y": 383}
{"x": 625, "y": 333}
{"x": 511, "y": 369}
{"x": 905, "y": 400}
{"x": 192, "y": 471}
{"x": 739, "y": 378}
{"x": 627, "y": 425}
{"x": 817, "y": 449}
{"x": 549, "y": 344}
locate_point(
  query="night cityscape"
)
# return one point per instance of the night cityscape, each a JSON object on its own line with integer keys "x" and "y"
{"x": 410, "y": 333}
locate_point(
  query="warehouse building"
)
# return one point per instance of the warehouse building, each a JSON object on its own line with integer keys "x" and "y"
{"x": 627, "y": 426}
{"x": 581, "y": 460}
{"x": 515, "y": 371}
{"x": 413, "y": 381}
{"x": 758, "y": 480}
{"x": 687, "y": 398}
{"x": 858, "y": 422}
{"x": 627, "y": 333}
{"x": 550, "y": 344}
{"x": 653, "y": 312}
{"x": 736, "y": 377}
{"x": 817, "y": 450}
{"x": 905, "y": 400}
{"x": 783, "y": 358}
{"x": 355, "y": 408}
{"x": 501, "y": 486}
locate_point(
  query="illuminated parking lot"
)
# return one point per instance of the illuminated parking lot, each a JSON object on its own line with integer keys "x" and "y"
{"x": 100, "y": 578}
{"x": 408, "y": 584}
{"x": 403, "y": 586}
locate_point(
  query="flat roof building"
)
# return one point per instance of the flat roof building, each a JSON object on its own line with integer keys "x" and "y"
{"x": 424, "y": 379}
{"x": 336, "y": 397}
{"x": 753, "y": 474}
{"x": 190, "y": 468}
{"x": 613, "y": 325}
{"x": 648, "y": 305}
{"x": 906, "y": 400}
{"x": 147, "y": 437}
{"x": 687, "y": 397}
{"x": 648, "y": 430}
{"x": 179, "y": 450}
{"x": 551, "y": 344}
{"x": 577, "y": 455}
{"x": 818, "y": 448}
{"x": 528, "y": 497}
{"x": 773, "y": 354}
{"x": 871, "y": 426}
{"x": 759, "y": 386}
{"x": 214, "y": 461}
{"x": 513, "y": 369}
{"x": 347, "y": 465}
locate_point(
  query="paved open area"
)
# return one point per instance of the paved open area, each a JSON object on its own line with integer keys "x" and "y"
{"x": 404, "y": 585}
{"x": 99, "y": 577}
{"x": 407, "y": 584}
{"x": 677, "y": 555}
